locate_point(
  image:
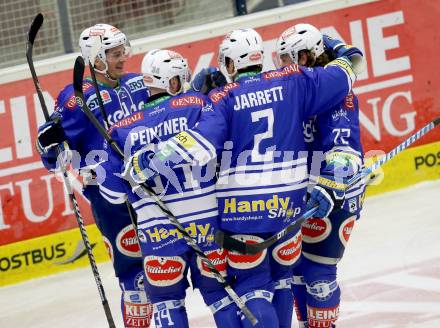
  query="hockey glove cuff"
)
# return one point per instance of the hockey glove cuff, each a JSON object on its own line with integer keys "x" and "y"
{"x": 50, "y": 135}
{"x": 137, "y": 168}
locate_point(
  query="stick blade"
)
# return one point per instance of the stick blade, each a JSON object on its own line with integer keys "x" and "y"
{"x": 227, "y": 242}
{"x": 35, "y": 27}
{"x": 78, "y": 74}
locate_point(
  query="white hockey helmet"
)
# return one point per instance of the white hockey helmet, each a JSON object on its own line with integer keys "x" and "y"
{"x": 110, "y": 37}
{"x": 160, "y": 66}
{"x": 299, "y": 37}
{"x": 244, "y": 47}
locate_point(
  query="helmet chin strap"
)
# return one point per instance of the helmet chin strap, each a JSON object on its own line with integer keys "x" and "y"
{"x": 105, "y": 72}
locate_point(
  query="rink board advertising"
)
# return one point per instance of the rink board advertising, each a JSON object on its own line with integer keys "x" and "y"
{"x": 38, "y": 231}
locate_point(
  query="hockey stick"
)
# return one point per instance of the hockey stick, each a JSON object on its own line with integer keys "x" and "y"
{"x": 33, "y": 30}
{"x": 228, "y": 242}
{"x": 77, "y": 83}
{"x": 96, "y": 46}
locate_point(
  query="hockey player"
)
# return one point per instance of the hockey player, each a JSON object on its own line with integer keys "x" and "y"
{"x": 190, "y": 195}
{"x": 122, "y": 94}
{"x": 336, "y": 134}
{"x": 257, "y": 122}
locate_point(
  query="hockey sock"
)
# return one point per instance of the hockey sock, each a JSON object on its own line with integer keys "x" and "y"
{"x": 170, "y": 314}
{"x": 323, "y": 294}
{"x": 259, "y": 303}
{"x": 283, "y": 302}
{"x": 300, "y": 299}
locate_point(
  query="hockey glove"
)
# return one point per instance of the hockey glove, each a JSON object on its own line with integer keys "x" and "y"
{"x": 137, "y": 167}
{"x": 50, "y": 135}
{"x": 329, "y": 193}
{"x": 208, "y": 79}
{"x": 340, "y": 49}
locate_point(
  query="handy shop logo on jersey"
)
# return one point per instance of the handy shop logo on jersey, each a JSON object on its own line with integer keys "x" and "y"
{"x": 276, "y": 206}
{"x": 202, "y": 232}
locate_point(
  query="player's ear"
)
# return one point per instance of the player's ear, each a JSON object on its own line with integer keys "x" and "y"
{"x": 230, "y": 65}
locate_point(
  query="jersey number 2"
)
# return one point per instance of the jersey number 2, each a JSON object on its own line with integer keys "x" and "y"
{"x": 256, "y": 156}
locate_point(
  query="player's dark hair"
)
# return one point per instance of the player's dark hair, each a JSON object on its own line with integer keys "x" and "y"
{"x": 323, "y": 59}
{"x": 253, "y": 68}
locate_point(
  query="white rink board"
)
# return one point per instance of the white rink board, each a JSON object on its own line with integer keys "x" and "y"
{"x": 390, "y": 275}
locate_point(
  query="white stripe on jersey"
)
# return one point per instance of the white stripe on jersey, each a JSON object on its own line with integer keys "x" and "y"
{"x": 187, "y": 194}
{"x": 111, "y": 196}
{"x": 178, "y": 208}
{"x": 204, "y": 142}
{"x": 191, "y": 218}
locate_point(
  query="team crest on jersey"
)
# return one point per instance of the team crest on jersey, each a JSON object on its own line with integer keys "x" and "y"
{"x": 218, "y": 257}
{"x": 345, "y": 229}
{"x": 316, "y": 229}
{"x": 246, "y": 261}
{"x": 164, "y": 271}
{"x": 289, "y": 251}
{"x": 286, "y": 71}
{"x": 108, "y": 247}
{"x": 126, "y": 242}
{"x": 186, "y": 101}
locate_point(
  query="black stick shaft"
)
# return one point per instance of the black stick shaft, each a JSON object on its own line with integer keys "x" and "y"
{"x": 36, "y": 24}
{"x": 78, "y": 80}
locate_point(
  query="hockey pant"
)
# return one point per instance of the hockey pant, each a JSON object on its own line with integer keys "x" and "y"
{"x": 121, "y": 242}
{"x": 314, "y": 284}
{"x": 166, "y": 284}
{"x": 263, "y": 280}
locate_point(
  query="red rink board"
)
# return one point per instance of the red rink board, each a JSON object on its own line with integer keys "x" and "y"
{"x": 397, "y": 96}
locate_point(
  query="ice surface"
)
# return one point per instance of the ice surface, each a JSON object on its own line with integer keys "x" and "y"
{"x": 390, "y": 275}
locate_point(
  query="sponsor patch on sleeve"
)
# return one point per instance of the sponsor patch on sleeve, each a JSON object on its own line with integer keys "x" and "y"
{"x": 219, "y": 95}
{"x": 349, "y": 101}
{"x": 185, "y": 139}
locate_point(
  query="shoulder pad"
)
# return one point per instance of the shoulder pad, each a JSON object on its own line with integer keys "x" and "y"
{"x": 218, "y": 94}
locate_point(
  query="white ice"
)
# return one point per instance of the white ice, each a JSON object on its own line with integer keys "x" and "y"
{"x": 390, "y": 275}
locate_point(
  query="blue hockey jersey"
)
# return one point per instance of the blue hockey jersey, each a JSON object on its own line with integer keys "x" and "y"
{"x": 336, "y": 132}
{"x": 190, "y": 197}
{"x": 119, "y": 102}
{"x": 256, "y": 122}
